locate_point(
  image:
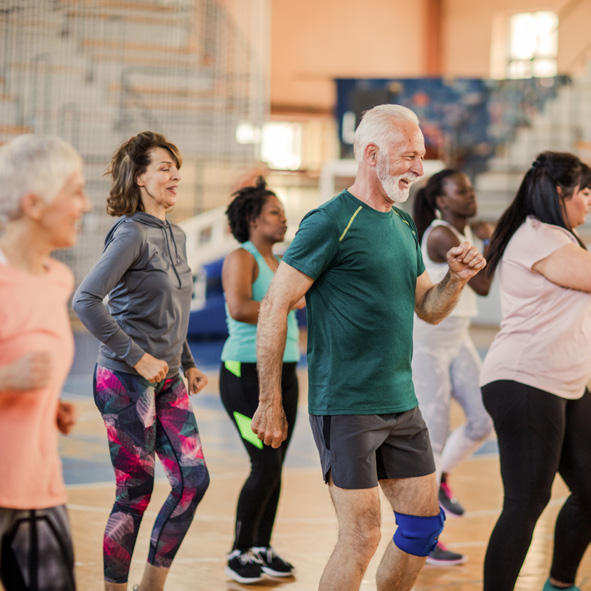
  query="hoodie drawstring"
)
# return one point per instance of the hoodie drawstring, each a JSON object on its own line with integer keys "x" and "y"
{"x": 176, "y": 260}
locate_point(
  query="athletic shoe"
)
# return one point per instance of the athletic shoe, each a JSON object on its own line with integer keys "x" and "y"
{"x": 244, "y": 567}
{"x": 441, "y": 556}
{"x": 550, "y": 587}
{"x": 448, "y": 501}
{"x": 272, "y": 563}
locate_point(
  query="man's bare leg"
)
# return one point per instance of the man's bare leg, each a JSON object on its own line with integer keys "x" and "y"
{"x": 358, "y": 514}
{"x": 413, "y": 496}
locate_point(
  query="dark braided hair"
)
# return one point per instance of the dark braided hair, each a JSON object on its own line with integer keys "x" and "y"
{"x": 129, "y": 161}
{"x": 246, "y": 207}
{"x": 425, "y": 203}
{"x": 538, "y": 196}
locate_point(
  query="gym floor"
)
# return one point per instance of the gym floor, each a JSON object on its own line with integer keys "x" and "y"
{"x": 306, "y": 527}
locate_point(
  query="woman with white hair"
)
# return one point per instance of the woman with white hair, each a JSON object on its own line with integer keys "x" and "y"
{"x": 42, "y": 199}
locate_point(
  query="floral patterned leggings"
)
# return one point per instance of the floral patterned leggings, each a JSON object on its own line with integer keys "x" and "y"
{"x": 143, "y": 419}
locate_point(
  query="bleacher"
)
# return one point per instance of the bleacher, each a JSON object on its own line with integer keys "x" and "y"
{"x": 563, "y": 123}
{"x": 97, "y": 72}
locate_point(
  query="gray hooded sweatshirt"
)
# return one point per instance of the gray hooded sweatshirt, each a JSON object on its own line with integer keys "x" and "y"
{"x": 144, "y": 271}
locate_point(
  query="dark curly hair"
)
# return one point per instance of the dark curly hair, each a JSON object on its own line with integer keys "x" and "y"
{"x": 129, "y": 161}
{"x": 246, "y": 207}
{"x": 425, "y": 203}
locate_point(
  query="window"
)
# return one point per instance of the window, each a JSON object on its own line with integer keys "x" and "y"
{"x": 533, "y": 45}
{"x": 280, "y": 143}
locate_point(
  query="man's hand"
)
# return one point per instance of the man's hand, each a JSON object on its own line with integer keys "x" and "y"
{"x": 434, "y": 302}
{"x": 196, "y": 379}
{"x": 152, "y": 369}
{"x": 465, "y": 261}
{"x": 269, "y": 424}
{"x": 288, "y": 288}
{"x": 67, "y": 415}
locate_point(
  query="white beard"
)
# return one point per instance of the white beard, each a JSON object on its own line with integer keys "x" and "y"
{"x": 390, "y": 184}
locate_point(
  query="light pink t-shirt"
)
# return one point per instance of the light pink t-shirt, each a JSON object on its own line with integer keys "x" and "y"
{"x": 33, "y": 317}
{"x": 545, "y": 335}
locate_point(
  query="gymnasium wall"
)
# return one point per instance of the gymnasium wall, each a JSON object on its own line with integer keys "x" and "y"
{"x": 315, "y": 42}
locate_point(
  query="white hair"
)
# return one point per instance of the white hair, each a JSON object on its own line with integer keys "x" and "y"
{"x": 34, "y": 164}
{"x": 376, "y": 127}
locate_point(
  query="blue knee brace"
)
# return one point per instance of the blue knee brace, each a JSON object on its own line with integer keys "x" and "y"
{"x": 418, "y": 535}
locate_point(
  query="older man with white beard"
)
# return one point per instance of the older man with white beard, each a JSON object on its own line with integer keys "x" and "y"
{"x": 358, "y": 262}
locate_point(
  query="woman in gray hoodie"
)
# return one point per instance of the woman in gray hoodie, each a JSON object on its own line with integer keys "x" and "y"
{"x": 137, "y": 384}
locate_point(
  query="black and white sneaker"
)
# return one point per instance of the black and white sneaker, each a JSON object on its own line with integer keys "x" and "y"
{"x": 244, "y": 567}
{"x": 273, "y": 564}
{"x": 441, "y": 556}
{"x": 448, "y": 501}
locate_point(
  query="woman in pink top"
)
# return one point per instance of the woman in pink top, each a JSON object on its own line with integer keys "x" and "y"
{"x": 535, "y": 374}
{"x": 42, "y": 197}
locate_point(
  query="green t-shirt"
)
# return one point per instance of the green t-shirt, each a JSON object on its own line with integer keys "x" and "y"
{"x": 365, "y": 265}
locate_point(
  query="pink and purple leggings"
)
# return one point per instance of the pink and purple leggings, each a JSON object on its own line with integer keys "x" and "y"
{"x": 142, "y": 420}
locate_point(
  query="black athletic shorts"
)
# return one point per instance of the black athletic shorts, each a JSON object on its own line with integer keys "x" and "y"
{"x": 359, "y": 450}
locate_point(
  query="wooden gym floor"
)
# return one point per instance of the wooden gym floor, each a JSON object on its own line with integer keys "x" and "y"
{"x": 305, "y": 530}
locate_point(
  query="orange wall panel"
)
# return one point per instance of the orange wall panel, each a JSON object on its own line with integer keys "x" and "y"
{"x": 314, "y": 41}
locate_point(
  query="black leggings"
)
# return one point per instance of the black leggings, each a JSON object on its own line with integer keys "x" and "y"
{"x": 258, "y": 500}
{"x": 36, "y": 552}
{"x": 539, "y": 434}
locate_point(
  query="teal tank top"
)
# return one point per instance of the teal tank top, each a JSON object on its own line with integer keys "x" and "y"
{"x": 241, "y": 342}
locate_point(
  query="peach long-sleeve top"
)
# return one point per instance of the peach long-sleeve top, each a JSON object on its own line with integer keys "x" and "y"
{"x": 33, "y": 317}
